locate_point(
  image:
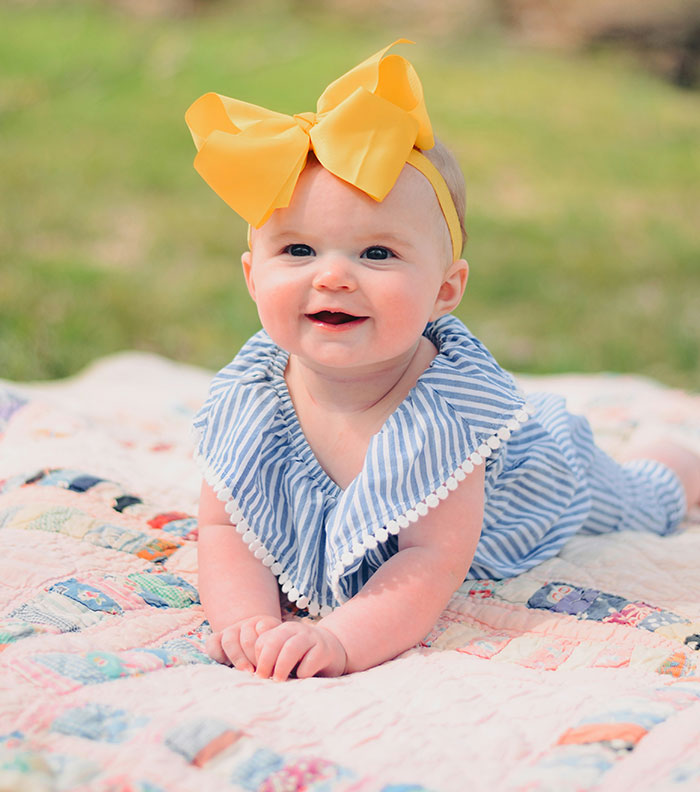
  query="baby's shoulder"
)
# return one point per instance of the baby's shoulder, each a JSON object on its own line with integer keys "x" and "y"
{"x": 259, "y": 360}
{"x": 467, "y": 375}
{"x": 245, "y": 390}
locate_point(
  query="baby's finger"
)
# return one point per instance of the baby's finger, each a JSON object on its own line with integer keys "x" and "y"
{"x": 230, "y": 643}
{"x": 266, "y": 623}
{"x": 293, "y": 651}
{"x": 247, "y": 638}
{"x": 268, "y": 647}
{"x": 312, "y": 662}
{"x": 214, "y": 650}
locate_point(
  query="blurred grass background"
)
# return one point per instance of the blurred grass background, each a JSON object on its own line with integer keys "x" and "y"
{"x": 582, "y": 168}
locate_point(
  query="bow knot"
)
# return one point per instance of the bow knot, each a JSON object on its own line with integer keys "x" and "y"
{"x": 306, "y": 120}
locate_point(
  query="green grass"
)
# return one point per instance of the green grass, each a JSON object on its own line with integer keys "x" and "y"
{"x": 583, "y": 179}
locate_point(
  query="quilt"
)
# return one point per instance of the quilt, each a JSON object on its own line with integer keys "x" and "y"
{"x": 581, "y": 674}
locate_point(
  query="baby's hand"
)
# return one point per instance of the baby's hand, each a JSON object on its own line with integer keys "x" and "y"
{"x": 312, "y": 649}
{"x": 236, "y": 644}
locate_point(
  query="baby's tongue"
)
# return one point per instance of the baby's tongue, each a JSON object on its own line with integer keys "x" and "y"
{"x": 333, "y": 317}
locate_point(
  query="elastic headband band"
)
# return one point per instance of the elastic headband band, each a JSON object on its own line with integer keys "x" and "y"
{"x": 367, "y": 126}
{"x": 442, "y": 193}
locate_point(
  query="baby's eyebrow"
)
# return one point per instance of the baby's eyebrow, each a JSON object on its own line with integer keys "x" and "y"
{"x": 285, "y": 235}
{"x": 387, "y": 236}
{"x": 364, "y": 239}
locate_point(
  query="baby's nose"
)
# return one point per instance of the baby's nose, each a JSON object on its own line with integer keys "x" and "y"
{"x": 334, "y": 272}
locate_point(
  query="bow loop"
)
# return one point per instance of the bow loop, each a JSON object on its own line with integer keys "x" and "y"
{"x": 250, "y": 160}
{"x": 390, "y": 77}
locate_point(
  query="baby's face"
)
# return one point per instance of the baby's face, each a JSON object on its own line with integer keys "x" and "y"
{"x": 345, "y": 282}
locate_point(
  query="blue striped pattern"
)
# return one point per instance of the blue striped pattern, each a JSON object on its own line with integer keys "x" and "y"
{"x": 642, "y": 495}
{"x": 544, "y": 476}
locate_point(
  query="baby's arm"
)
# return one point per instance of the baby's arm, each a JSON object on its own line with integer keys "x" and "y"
{"x": 399, "y": 603}
{"x": 240, "y": 596}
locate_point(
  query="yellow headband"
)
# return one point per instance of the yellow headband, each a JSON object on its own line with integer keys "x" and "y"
{"x": 369, "y": 123}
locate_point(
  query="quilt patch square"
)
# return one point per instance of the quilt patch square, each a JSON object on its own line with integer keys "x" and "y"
{"x": 678, "y": 665}
{"x": 84, "y": 482}
{"x": 660, "y": 618}
{"x": 62, "y": 614}
{"x": 482, "y": 589}
{"x": 254, "y": 772}
{"x": 164, "y": 590}
{"x": 563, "y": 598}
{"x": 543, "y": 653}
{"x": 604, "y": 605}
{"x": 487, "y": 646}
{"x": 99, "y": 723}
{"x": 88, "y": 595}
{"x": 633, "y": 614}
{"x": 191, "y": 738}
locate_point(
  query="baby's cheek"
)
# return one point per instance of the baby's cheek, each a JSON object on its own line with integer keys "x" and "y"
{"x": 277, "y": 301}
{"x": 277, "y": 290}
{"x": 408, "y": 311}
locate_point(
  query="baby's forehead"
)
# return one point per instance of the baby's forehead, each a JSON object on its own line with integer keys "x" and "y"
{"x": 411, "y": 188}
{"x": 323, "y": 205}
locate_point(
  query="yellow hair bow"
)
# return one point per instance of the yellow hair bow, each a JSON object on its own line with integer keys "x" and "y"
{"x": 364, "y": 131}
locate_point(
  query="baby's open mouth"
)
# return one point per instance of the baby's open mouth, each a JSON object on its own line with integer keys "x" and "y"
{"x": 334, "y": 317}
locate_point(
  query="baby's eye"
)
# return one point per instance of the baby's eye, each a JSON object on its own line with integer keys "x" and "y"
{"x": 377, "y": 253}
{"x": 298, "y": 250}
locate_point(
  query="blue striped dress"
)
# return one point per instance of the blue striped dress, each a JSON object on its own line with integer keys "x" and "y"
{"x": 544, "y": 480}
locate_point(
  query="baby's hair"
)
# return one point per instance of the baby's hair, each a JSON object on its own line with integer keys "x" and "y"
{"x": 446, "y": 162}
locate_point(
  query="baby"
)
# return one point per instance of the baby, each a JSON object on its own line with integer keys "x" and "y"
{"x": 364, "y": 452}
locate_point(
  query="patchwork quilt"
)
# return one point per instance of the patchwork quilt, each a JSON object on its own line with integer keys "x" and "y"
{"x": 582, "y": 674}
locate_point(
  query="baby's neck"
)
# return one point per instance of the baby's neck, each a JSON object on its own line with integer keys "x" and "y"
{"x": 339, "y": 412}
{"x": 355, "y": 392}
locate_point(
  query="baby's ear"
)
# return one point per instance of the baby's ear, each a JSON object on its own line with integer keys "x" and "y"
{"x": 247, "y": 262}
{"x": 452, "y": 289}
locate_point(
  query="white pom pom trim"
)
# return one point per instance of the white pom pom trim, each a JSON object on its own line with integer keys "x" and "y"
{"x": 432, "y": 500}
{"x": 369, "y": 542}
{"x": 253, "y": 542}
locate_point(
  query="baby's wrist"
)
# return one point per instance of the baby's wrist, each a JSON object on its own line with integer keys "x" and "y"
{"x": 338, "y": 666}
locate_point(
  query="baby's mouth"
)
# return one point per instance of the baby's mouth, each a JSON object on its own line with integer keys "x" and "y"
{"x": 334, "y": 317}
